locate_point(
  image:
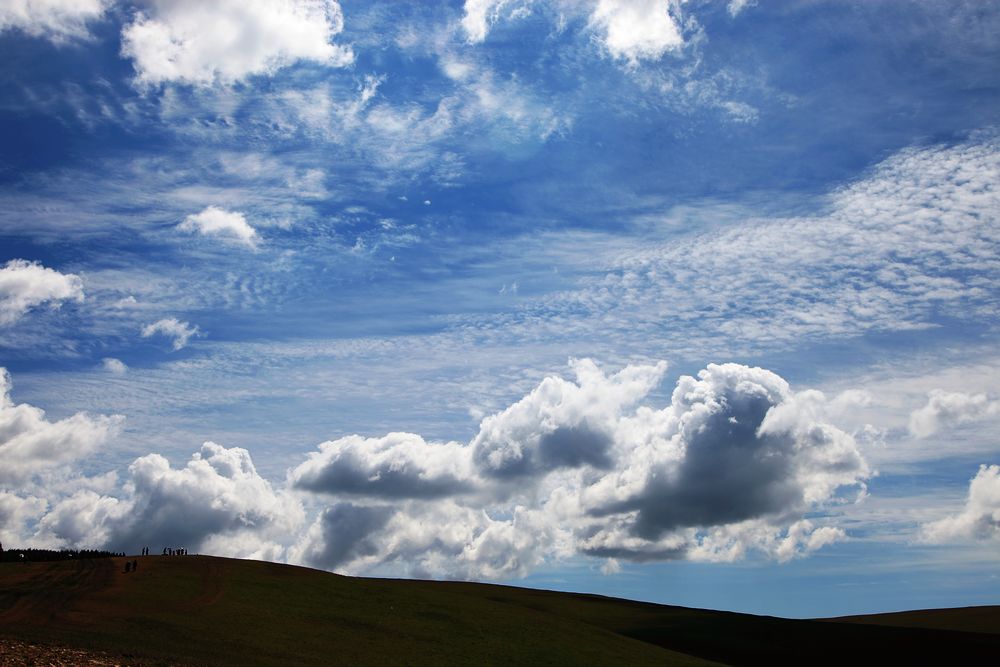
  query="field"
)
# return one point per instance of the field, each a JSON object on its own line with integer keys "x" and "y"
{"x": 204, "y": 610}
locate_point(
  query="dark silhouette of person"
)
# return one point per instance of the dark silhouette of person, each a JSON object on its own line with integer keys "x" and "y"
{"x": 128, "y": 567}
{"x": 135, "y": 565}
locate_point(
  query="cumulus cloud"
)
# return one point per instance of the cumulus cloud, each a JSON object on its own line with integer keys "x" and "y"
{"x": 946, "y": 408}
{"x": 561, "y": 423}
{"x": 171, "y": 327}
{"x": 441, "y": 539}
{"x": 400, "y": 465}
{"x": 30, "y": 443}
{"x": 736, "y": 463}
{"x": 202, "y": 43}
{"x": 231, "y": 226}
{"x": 15, "y": 513}
{"x": 980, "y": 519}
{"x": 218, "y": 495}
{"x": 636, "y": 30}
{"x": 733, "y": 464}
{"x": 114, "y": 366}
{"x": 24, "y": 285}
{"x": 55, "y": 20}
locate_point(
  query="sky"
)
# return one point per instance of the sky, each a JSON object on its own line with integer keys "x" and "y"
{"x": 693, "y": 302}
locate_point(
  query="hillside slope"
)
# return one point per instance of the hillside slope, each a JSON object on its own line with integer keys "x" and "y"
{"x": 966, "y": 619}
{"x": 207, "y": 610}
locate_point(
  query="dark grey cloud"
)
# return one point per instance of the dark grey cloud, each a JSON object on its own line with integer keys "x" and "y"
{"x": 347, "y": 532}
{"x": 729, "y": 473}
{"x": 397, "y": 466}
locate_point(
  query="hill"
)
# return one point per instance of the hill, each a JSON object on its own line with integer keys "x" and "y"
{"x": 966, "y": 619}
{"x": 219, "y": 611}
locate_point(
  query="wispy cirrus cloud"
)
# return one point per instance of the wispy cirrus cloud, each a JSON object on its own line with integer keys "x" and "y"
{"x": 629, "y": 30}
{"x": 894, "y": 251}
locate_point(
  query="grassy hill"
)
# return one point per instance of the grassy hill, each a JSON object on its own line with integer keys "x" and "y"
{"x": 219, "y": 611}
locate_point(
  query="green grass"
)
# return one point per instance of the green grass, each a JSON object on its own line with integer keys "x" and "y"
{"x": 204, "y": 610}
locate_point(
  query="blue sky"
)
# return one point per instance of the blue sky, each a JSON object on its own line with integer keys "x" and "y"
{"x": 692, "y": 302}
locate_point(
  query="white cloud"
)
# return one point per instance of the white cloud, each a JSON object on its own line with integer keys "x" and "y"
{"x": 55, "y": 20}
{"x": 442, "y": 539}
{"x": 15, "y": 513}
{"x": 636, "y": 30}
{"x": 561, "y": 423}
{"x": 201, "y": 43}
{"x": 913, "y": 242}
{"x": 730, "y": 466}
{"x": 29, "y": 443}
{"x": 980, "y": 519}
{"x": 480, "y": 15}
{"x": 24, "y": 285}
{"x": 630, "y": 30}
{"x": 733, "y": 464}
{"x": 114, "y": 366}
{"x": 217, "y": 498}
{"x": 228, "y": 225}
{"x": 945, "y": 408}
{"x": 171, "y": 327}
{"x": 736, "y": 6}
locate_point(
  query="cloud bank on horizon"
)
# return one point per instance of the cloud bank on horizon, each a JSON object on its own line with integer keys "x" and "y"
{"x": 733, "y": 464}
{"x": 384, "y": 227}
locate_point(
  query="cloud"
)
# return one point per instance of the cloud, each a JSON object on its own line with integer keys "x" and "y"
{"x": 218, "y": 494}
{"x": 732, "y": 465}
{"x": 199, "y": 43}
{"x": 15, "y": 513}
{"x": 636, "y": 30}
{"x": 630, "y": 30}
{"x": 480, "y": 15}
{"x": 399, "y": 465}
{"x": 114, "y": 366}
{"x": 171, "y": 327}
{"x": 231, "y": 226}
{"x": 899, "y": 250}
{"x": 441, "y": 539}
{"x": 945, "y": 408}
{"x": 735, "y": 463}
{"x": 29, "y": 443}
{"x": 736, "y": 454}
{"x": 736, "y": 6}
{"x": 56, "y": 20}
{"x": 980, "y": 519}
{"x": 24, "y": 285}
{"x": 562, "y": 424}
